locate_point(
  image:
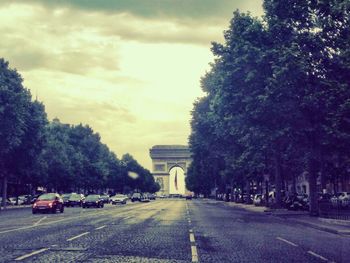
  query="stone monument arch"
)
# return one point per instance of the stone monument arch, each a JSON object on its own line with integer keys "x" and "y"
{"x": 166, "y": 157}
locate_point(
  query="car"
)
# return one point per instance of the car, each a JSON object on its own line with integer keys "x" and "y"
{"x": 119, "y": 199}
{"x": 136, "y": 197}
{"x": 50, "y": 202}
{"x": 93, "y": 201}
{"x": 341, "y": 199}
{"x": 75, "y": 200}
{"x": 258, "y": 199}
{"x": 105, "y": 198}
{"x": 189, "y": 197}
{"x": 145, "y": 198}
{"x": 152, "y": 196}
{"x": 65, "y": 198}
{"x": 24, "y": 199}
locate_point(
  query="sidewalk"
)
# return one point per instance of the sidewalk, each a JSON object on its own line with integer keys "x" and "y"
{"x": 340, "y": 227}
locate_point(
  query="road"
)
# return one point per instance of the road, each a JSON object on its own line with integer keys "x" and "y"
{"x": 169, "y": 230}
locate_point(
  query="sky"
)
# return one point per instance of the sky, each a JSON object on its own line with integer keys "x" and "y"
{"x": 130, "y": 69}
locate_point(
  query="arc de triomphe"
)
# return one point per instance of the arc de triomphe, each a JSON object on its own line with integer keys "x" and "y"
{"x": 166, "y": 157}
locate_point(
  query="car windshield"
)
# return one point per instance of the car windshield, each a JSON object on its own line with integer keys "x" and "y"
{"x": 119, "y": 196}
{"x": 47, "y": 197}
{"x": 92, "y": 197}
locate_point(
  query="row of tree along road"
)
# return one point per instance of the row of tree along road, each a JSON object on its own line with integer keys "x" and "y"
{"x": 277, "y": 102}
{"x": 55, "y": 156}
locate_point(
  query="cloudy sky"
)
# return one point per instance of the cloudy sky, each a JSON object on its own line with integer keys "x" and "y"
{"x": 128, "y": 68}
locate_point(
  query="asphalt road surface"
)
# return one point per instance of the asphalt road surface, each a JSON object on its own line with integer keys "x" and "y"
{"x": 169, "y": 230}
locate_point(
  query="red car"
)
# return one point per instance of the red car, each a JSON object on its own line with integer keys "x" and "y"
{"x": 50, "y": 202}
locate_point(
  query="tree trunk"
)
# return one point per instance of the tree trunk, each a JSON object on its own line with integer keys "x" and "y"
{"x": 4, "y": 191}
{"x": 278, "y": 181}
{"x": 313, "y": 186}
{"x": 323, "y": 175}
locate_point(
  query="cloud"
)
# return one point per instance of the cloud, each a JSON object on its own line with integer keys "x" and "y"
{"x": 171, "y": 9}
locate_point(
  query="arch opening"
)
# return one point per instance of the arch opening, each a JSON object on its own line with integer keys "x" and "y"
{"x": 177, "y": 181}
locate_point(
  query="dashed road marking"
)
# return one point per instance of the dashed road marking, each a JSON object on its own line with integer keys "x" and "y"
{"x": 286, "y": 241}
{"x": 98, "y": 228}
{"x": 31, "y": 254}
{"x": 41, "y": 219}
{"x": 83, "y": 234}
{"x": 317, "y": 255}
{"x": 192, "y": 238}
{"x": 191, "y": 231}
{"x": 194, "y": 254}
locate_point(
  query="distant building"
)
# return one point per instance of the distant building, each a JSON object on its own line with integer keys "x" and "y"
{"x": 164, "y": 159}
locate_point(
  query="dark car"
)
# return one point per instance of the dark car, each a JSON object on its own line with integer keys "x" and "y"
{"x": 136, "y": 197}
{"x": 75, "y": 200}
{"x": 105, "y": 199}
{"x": 152, "y": 196}
{"x": 50, "y": 202}
{"x": 65, "y": 198}
{"x": 93, "y": 201}
{"x": 189, "y": 197}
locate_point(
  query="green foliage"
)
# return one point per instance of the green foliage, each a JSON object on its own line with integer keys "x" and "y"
{"x": 277, "y": 97}
{"x": 57, "y": 156}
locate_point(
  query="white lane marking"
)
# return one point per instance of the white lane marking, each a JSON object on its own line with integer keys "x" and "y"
{"x": 41, "y": 219}
{"x": 72, "y": 238}
{"x": 189, "y": 221}
{"x": 194, "y": 254}
{"x": 286, "y": 241}
{"x": 191, "y": 231}
{"x": 54, "y": 245}
{"x": 98, "y": 228}
{"x": 192, "y": 237}
{"x": 31, "y": 254}
{"x": 317, "y": 255}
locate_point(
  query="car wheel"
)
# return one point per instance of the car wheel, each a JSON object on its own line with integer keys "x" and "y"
{"x": 62, "y": 209}
{"x": 54, "y": 209}
{"x": 34, "y": 211}
{"x": 102, "y": 205}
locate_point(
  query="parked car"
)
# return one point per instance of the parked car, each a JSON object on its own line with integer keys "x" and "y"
{"x": 119, "y": 199}
{"x": 105, "y": 198}
{"x": 341, "y": 199}
{"x": 189, "y": 197}
{"x": 25, "y": 199}
{"x": 145, "y": 197}
{"x": 152, "y": 196}
{"x": 75, "y": 200}
{"x": 65, "y": 198}
{"x": 297, "y": 202}
{"x": 136, "y": 197}
{"x": 258, "y": 200}
{"x": 93, "y": 201}
{"x": 50, "y": 202}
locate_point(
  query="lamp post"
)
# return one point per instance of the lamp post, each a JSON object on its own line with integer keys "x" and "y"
{"x": 266, "y": 179}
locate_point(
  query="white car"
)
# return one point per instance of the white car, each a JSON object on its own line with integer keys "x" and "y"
{"x": 119, "y": 199}
{"x": 344, "y": 198}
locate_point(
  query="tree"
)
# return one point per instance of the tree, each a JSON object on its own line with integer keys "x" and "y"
{"x": 15, "y": 103}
